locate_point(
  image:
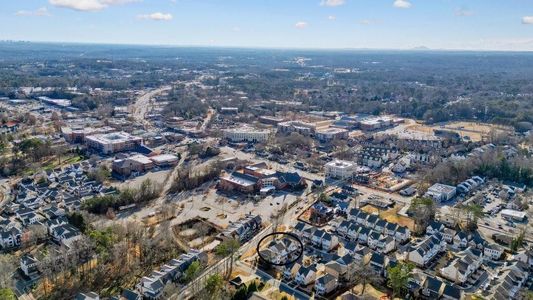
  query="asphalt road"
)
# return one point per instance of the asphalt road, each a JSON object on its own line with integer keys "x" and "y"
{"x": 141, "y": 105}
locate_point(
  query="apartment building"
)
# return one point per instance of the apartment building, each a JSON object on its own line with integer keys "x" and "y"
{"x": 113, "y": 142}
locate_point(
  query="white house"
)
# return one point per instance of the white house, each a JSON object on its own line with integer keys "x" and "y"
{"x": 353, "y": 232}
{"x": 390, "y": 229}
{"x": 461, "y": 268}
{"x": 511, "y": 281}
{"x": 326, "y": 284}
{"x": 361, "y": 218}
{"x": 291, "y": 270}
{"x": 448, "y": 235}
{"x": 493, "y": 251}
{"x": 29, "y": 266}
{"x": 460, "y": 240}
{"x": 525, "y": 256}
{"x": 373, "y": 239}
{"x": 329, "y": 241}
{"x": 10, "y": 238}
{"x": 362, "y": 237}
{"x": 151, "y": 288}
{"x": 435, "y": 227}
{"x": 386, "y": 244}
{"x": 403, "y": 234}
{"x": 342, "y": 228}
{"x": 65, "y": 234}
{"x": 305, "y": 276}
{"x": 426, "y": 250}
{"x": 316, "y": 239}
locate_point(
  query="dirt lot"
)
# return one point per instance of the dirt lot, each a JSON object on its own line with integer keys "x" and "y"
{"x": 196, "y": 232}
{"x": 475, "y": 131}
{"x": 390, "y": 215}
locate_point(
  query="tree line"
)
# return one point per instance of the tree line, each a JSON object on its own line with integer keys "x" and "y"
{"x": 148, "y": 191}
{"x": 187, "y": 178}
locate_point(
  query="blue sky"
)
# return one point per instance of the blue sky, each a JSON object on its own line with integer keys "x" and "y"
{"x": 379, "y": 24}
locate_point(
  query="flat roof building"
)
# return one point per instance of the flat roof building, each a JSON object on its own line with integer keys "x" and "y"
{"x": 246, "y": 134}
{"x": 113, "y": 142}
{"x": 165, "y": 160}
{"x": 441, "y": 192}
{"x": 514, "y": 214}
{"x": 340, "y": 169}
{"x": 330, "y": 134}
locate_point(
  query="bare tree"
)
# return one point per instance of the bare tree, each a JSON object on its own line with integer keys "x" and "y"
{"x": 362, "y": 274}
{"x": 7, "y": 268}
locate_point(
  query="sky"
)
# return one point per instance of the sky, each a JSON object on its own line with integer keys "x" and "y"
{"x": 335, "y": 24}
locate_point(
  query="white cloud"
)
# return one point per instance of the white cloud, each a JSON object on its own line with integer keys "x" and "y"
{"x": 40, "y": 12}
{"x": 236, "y": 29}
{"x": 402, "y": 4}
{"x": 157, "y": 16}
{"x": 528, "y": 20}
{"x": 332, "y": 18}
{"x": 365, "y": 22}
{"x": 301, "y": 25}
{"x": 88, "y": 5}
{"x": 332, "y": 2}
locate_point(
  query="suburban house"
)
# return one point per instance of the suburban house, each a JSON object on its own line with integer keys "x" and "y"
{"x": 151, "y": 286}
{"x": 451, "y": 293}
{"x": 378, "y": 262}
{"x": 403, "y": 234}
{"x": 29, "y": 266}
{"x": 435, "y": 227}
{"x": 10, "y": 238}
{"x": 325, "y": 284}
{"x": 65, "y": 234}
{"x": 461, "y": 268}
{"x": 243, "y": 229}
{"x": 431, "y": 287}
{"x": 305, "y": 276}
{"x": 510, "y": 282}
{"x": 290, "y": 271}
{"x": 426, "y": 250}
{"x": 493, "y": 251}
{"x": 460, "y": 240}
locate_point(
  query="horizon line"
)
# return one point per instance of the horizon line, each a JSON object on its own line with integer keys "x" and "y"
{"x": 414, "y": 49}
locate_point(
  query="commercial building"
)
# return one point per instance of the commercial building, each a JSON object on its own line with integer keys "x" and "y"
{"x": 514, "y": 214}
{"x": 229, "y": 110}
{"x": 63, "y": 103}
{"x": 78, "y": 134}
{"x": 441, "y": 192}
{"x": 113, "y": 142}
{"x": 140, "y": 163}
{"x": 340, "y": 169}
{"x": 137, "y": 163}
{"x": 258, "y": 177}
{"x": 246, "y": 134}
{"x": 375, "y": 123}
{"x": 301, "y": 127}
{"x": 330, "y": 134}
{"x": 271, "y": 120}
{"x": 165, "y": 160}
